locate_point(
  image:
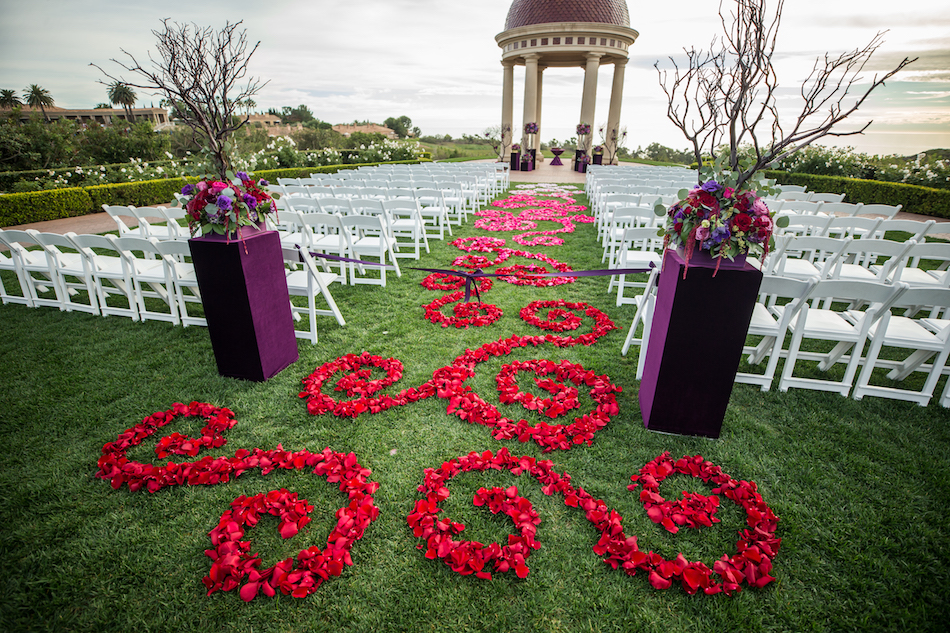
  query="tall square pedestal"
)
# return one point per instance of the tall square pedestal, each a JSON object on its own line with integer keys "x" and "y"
{"x": 699, "y": 328}
{"x": 244, "y": 293}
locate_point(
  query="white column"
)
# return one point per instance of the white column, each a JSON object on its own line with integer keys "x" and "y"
{"x": 530, "y": 90}
{"x": 507, "y": 104}
{"x": 589, "y": 100}
{"x": 616, "y": 99}
{"x": 537, "y": 115}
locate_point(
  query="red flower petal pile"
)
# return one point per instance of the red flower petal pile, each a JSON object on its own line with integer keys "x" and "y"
{"x": 750, "y": 565}
{"x": 233, "y": 562}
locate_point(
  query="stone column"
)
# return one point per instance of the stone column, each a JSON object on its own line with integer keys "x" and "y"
{"x": 589, "y": 100}
{"x": 616, "y": 99}
{"x": 530, "y": 90}
{"x": 507, "y": 104}
{"x": 537, "y": 119}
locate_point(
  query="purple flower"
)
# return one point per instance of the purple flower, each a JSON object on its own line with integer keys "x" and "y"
{"x": 262, "y": 183}
{"x": 187, "y": 190}
{"x": 720, "y": 234}
{"x": 711, "y": 186}
{"x": 252, "y": 215}
{"x": 242, "y": 176}
{"x": 250, "y": 201}
{"x": 224, "y": 203}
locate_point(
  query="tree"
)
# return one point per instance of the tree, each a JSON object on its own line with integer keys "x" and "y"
{"x": 729, "y": 95}
{"x": 200, "y": 72}
{"x": 500, "y": 138}
{"x": 121, "y": 94}
{"x": 9, "y": 99}
{"x": 300, "y": 114}
{"x": 400, "y": 126}
{"x": 37, "y": 97}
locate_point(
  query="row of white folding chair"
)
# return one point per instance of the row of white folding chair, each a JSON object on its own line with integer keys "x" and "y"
{"x": 351, "y": 236}
{"x": 852, "y": 226}
{"x": 912, "y": 262}
{"x": 783, "y": 307}
{"x": 809, "y": 196}
{"x": 434, "y": 208}
{"x": 105, "y": 267}
{"x": 611, "y": 201}
{"x": 160, "y": 222}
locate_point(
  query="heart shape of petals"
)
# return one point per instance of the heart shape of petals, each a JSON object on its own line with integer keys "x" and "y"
{"x": 694, "y": 510}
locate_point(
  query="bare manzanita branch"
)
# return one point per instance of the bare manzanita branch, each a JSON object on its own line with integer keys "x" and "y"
{"x": 729, "y": 94}
{"x": 199, "y": 72}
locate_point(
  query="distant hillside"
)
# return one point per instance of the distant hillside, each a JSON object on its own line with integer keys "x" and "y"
{"x": 939, "y": 154}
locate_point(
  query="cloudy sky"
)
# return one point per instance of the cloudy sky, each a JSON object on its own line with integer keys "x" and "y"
{"x": 436, "y": 61}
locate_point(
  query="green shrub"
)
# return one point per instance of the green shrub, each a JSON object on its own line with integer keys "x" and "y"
{"x": 913, "y": 198}
{"x": 23, "y": 208}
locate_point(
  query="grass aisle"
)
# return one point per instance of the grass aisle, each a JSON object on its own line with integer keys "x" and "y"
{"x": 861, "y": 488}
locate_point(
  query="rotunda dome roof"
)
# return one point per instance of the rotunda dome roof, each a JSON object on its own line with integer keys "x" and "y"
{"x": 528, "y": 12}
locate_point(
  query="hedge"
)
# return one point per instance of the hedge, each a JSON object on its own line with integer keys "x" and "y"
{"x": 913, "y": 198}
{"x": 53, "y": 204}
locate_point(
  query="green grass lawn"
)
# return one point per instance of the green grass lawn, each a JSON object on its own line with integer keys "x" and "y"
{"x": 862, "y": 489}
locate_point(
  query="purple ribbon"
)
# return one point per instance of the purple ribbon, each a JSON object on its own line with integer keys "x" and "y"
{"x": 470, "y": 278}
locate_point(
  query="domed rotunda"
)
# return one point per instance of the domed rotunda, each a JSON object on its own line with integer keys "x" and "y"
{"x": 564, "y": 33}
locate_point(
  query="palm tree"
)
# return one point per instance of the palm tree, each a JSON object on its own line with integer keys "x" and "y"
{"x": 121, "y": 94}
{"x": 8, "y": 99}
{"x": 37, "y": 97}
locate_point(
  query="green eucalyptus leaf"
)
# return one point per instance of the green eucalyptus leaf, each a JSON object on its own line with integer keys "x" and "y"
{"x": 660, "y": 209}
{"x": 781, "y": 221}
{"x": 682, "y": 194}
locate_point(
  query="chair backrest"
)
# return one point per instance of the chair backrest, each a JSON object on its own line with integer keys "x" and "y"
{"x": 288, "y": 181}
{"x": 804, "y": 224}
{"x": 797, "y": 206}
{"x": 841, "y": 208}
{"x": 641, "y": 238}
{"x": 916, "y": 228}
{"x": 296, "y": 190}
{"x": 635, "y": 216}
{"x": 800, "y": 196}
{"x": 117, "y": 213}
{"x": 339, "y": 206}
{"x": 822, "y": 252}
{"x": 792, "y": 188}
{"x": 880, "y": 296}
{"x": 366, "y": 207}
{"x": 827, "y": 197}
{"x": 851, "y": 226}
{"x": 887, "y": 210}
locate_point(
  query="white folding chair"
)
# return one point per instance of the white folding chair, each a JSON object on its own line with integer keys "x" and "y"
{"x": 770, "y": 320}
{"x": 369, "y": 238}
{"x": 895, "y": 331}
{"x": 65, "y": 267}
{"x": 807, "y": 256}
{"x": 326, "y": 234}
{"x": 112, "y": 277}
{"x": 37, "y": 279}
{"x": 622, "y": 219}
{"x": 154, "y": 222}
{"x": 304, "y": 280}
{"x": 927, "y": 265}
{"x": 407, "y": 223}
{"x": 839, "y": 327}
{"x": 125, "y": 219}
{"x": 638, "y": 249}
{"x": 151, "y": 278}
{"x": 861, "y": 260}
{"x": 184, "y": 279}
{"x": 803, "y": 224}
{"x": 841, "y": 209}
{"x": 643, "y": 316}
{"x": 434, "y": 211}
{"x": 10, "y": 262}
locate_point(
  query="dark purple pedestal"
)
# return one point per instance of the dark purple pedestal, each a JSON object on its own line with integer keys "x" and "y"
{"x": 244, "y": 294}
{"x": 699, "y": 328}
{"x": 515, "y": 161}
{"x": 598, "y": 159}
{"x": 557, "y": 151}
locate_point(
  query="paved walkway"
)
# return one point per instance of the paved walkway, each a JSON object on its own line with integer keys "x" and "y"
{"x": 101, "y": 222}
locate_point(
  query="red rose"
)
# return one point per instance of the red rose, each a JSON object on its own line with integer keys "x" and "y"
{"x": 741, "y": 222}
{"x": 708, "y": 200}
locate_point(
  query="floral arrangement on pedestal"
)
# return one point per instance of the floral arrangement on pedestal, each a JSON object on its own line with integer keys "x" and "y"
{"x": 718, "y": 218}
{"x": 598, "y": 149}
{"x": 583, "y": 131}
{"x": 215, "y": 206}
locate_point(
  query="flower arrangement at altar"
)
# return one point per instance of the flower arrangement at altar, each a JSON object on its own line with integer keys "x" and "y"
{"x": 531, "y": 128}
{"x": 720, "y": 219}
{"x": 598, "y": 149}
{"x": 516, "y": 148}
{"x": 583, "y": 136}
{"x": 215, "y": 206}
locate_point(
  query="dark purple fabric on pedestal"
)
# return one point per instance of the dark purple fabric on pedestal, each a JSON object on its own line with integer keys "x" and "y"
{"x": 244, "y": 294}
{"x": 699, "y": 328}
